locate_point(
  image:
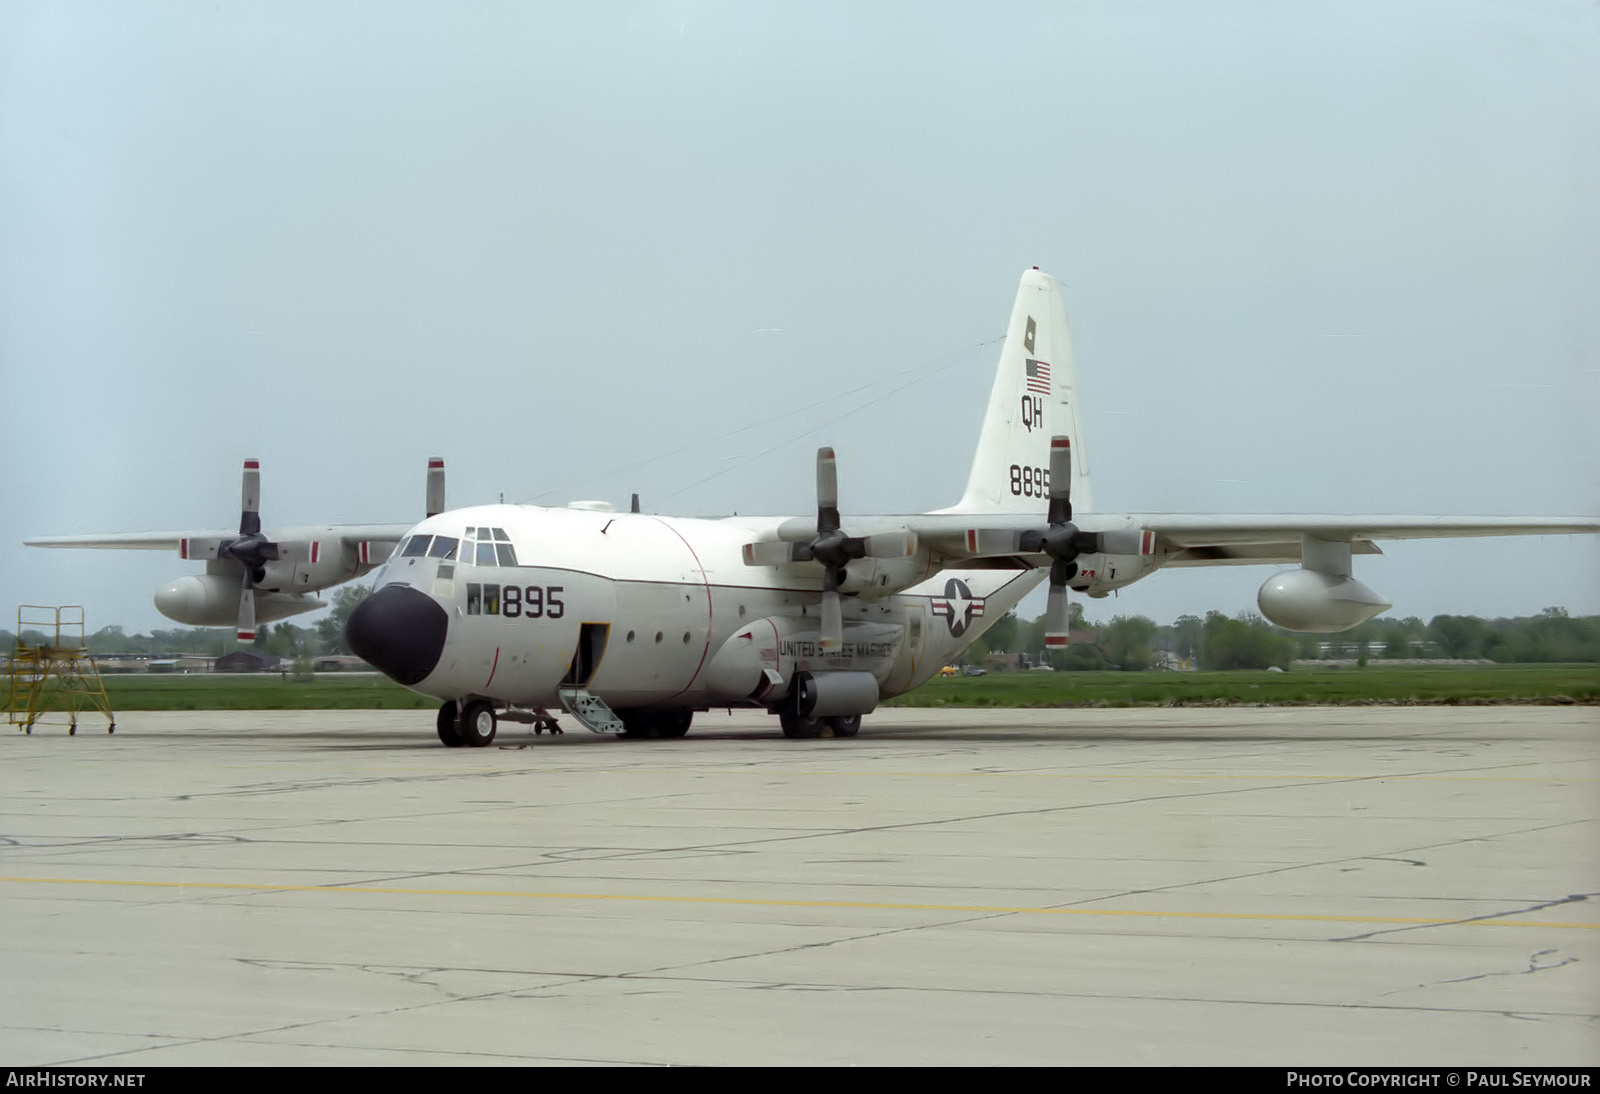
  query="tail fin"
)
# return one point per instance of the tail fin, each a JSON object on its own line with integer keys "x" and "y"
{"x": 1034, "y": 398}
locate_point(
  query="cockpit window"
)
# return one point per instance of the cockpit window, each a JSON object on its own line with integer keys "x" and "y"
{"x": 482, "y": 547}
{"x": 415, "y": 547}
{"x": 443, "y": 547}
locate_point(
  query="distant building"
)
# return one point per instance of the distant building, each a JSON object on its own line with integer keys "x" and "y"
{"x": 340, "y": 662}
{"x": 246, "y": 661}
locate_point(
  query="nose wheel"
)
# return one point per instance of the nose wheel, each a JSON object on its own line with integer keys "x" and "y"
{"x": 472, "y": 725}
{"x": 477, "y": 725}
{"x": 449, "y": 719}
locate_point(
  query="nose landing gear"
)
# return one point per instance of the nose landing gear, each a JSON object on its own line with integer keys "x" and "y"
{"x": 448, "y": 720}
{"x": 472, "y": 725}
{"x": 477, "y": 724}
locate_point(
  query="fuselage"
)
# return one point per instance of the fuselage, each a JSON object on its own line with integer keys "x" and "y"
{"x": 512, "y": 603}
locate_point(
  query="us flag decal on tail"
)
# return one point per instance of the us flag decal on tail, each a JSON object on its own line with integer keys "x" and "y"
{"x": 1038, "y": 373}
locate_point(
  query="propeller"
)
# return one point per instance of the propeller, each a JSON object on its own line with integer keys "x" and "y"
{"x": 251, "y": 549}
{"x": 832, "y": 548}
{"x": 1062, "y": 541}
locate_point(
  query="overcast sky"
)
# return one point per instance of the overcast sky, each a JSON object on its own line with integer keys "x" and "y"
{"x": 1319, "y": 257}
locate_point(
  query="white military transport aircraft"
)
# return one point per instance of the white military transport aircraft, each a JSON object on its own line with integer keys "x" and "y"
{"x": 633, "y": 622}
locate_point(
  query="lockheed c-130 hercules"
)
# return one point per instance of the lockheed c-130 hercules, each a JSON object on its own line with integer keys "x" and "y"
{"x": 632, "y": 622}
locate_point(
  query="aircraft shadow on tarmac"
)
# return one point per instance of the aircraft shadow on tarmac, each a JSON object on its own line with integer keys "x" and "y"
{"x": 412, "y": 740}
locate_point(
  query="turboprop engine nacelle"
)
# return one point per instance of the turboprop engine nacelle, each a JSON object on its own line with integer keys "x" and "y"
{"x": 212, "y": 600}
{"x": 1321, "y": 603}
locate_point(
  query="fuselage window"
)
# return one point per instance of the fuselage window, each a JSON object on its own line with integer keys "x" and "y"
{"x": 443, "y": 547}
{"x": 416, "y": 547}
{"x": 491, "y": 600}
{"x": 474, "y": 599}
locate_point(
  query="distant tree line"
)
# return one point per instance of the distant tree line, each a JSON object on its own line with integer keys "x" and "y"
{"x": 1249, "y": 642}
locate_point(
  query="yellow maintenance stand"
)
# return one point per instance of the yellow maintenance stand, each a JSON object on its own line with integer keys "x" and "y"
{"x": 55, "y": 674}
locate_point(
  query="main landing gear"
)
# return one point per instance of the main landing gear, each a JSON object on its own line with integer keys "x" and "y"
{"x": 655, "y": 723}
{"x": 797, "y": 727}
{"x": 837, "y": 725}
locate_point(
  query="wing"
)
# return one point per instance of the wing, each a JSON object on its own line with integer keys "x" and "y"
{"x": 1193, "y": 540}
{"x": 352, "y": 534}
{"x": 1196, "y": 539}
{"x": 125, "y": 541}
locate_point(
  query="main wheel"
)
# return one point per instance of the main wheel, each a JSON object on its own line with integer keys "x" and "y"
{"x": 449, "y": 717}
{"x": 636, "y": 724}
{"x": 648, "y": 723}
{"x": 844, "y": 725}
{"x": 477, "y": 723}
{"x": 796, "y": 727}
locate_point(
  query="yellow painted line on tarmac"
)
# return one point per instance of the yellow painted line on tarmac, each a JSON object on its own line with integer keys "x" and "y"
{"x": 979, "y": 909}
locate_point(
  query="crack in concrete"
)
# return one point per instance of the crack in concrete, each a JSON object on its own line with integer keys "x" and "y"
{"x": 1575, "y": 898}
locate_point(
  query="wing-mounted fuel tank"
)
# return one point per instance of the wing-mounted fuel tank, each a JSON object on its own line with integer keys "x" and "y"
{"x": 212, "y": 600}
{"x": 1321, "y": 597}
{"x": 759, "y": 662}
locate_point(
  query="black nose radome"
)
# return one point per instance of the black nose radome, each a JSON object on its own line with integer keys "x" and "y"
{"x": 400, "y": 631}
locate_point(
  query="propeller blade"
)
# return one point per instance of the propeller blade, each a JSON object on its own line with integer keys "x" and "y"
{"x": 1057, "y": 618}
{"x": 1060, "y": 480}
{"x": 827, "y": 492}
{"x": 435, "y": 495}
{"x": 832, "y": 615}
{"x": 250, "y": 499}
{"x": 247, "y": 610}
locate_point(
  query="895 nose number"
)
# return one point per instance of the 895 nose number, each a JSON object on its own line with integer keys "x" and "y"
{"x": 516, "y": 601}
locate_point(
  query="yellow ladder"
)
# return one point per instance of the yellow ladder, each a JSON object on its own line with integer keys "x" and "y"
{"x": 56, "y": 674}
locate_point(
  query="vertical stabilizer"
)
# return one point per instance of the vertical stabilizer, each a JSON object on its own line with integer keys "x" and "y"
{"x": 1034, "y": 397}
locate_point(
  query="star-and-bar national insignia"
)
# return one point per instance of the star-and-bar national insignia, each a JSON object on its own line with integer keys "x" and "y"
{"x": 958, "y": 607}
{"x": 1027, "y": 337}
{"x": 1038, "y": 376}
